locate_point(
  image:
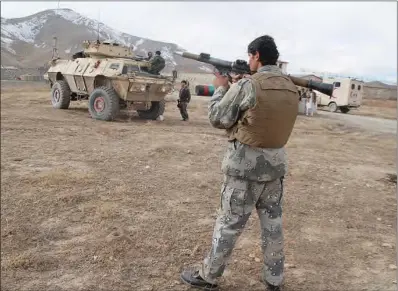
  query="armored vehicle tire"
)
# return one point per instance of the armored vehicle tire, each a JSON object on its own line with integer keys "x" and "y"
{"x": 157, "y": 108}
{"x": 344, "y": 109}
{"x": 332, "y": 107}
{"x": 60, "y": 95}
{"x": 103, "y": 104}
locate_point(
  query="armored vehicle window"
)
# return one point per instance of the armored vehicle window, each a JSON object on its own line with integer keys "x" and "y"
{"x": 130, "y": 68}
{"x": 114, "y": 66}
{"x": 352, "y": 86}
{"x": 359, "y": 87}
{"x": 336, "y": 84}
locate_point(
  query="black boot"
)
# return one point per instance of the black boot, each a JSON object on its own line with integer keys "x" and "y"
{"x": 273, "y": 287}
{"x": 192, "y": 278}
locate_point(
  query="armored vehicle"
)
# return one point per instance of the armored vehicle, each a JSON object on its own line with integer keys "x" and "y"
{"x": 111, "y": 77}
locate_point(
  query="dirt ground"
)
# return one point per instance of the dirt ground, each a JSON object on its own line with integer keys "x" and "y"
{"x": 91, "y": 205}
{"x": 378, "y": 108}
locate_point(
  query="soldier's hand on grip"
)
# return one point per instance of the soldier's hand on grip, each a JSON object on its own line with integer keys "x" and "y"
{"x": 220, "y": 80}
{"x": 236, "y": 77}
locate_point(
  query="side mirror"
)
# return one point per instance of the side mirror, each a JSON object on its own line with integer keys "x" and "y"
{"x": 175, "y": 74}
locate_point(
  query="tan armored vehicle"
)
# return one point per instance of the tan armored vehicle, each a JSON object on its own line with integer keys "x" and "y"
{"x": 111, "y": 77}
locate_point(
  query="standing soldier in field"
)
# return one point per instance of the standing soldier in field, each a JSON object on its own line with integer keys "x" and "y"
{"x": 157, "y": 63}
{"x": 184, "y": 99}
{"x": 258, "y": 114}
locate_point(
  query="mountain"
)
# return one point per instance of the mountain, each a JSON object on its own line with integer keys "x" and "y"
{"x": 27, "y": 42}
{"x": 378, "y": 84}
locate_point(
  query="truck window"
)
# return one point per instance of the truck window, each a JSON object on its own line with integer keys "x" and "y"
{"x": 336, "y": 84}
{"x": 114, "y": 66}
{"x": 130, "y": 68}
{"x": 359, "y": 87}
{"x": 352, "y": 86}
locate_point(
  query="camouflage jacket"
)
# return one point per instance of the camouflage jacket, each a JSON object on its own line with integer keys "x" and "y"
{"x": 241, "y": 160}
{"x": 157, "y": 63}
{"x": 185, "y": 95}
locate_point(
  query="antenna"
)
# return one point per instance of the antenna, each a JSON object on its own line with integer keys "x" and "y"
{"x": 55, "y": 50}
{"x": 98, "y": 33}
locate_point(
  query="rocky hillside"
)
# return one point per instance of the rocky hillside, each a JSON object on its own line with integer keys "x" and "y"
{"x": 27, "y": 42}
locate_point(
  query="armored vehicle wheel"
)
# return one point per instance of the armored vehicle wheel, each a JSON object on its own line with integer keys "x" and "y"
{"x": 60, "y": 95}
{"x": 344, "y": 109}
{"x": 103, "y": 104}
{"x": 332, "y": 107}
{"x": 157, "y": 108}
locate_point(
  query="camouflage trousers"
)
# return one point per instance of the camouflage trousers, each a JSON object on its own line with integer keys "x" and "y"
{"x": 183, "y": 110}
{"x": 238, "y": 199}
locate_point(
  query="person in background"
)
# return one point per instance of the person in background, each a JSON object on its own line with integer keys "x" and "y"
{"x": 301, "y": 93}
{"x": 183, "y": 100}
{"x": 309, "y": 103}
{"x": 315, "y": 102}
{"x": 149, "y": 57}
{"x": 157, "y": 63}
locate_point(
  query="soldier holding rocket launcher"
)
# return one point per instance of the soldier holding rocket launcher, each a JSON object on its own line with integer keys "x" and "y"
{"x": 258, "y": 114}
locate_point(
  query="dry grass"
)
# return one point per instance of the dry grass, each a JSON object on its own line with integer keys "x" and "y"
{"x": 377, "y": 108}
{"x": 380, "y": 103}
{"x": 90, "y": 205}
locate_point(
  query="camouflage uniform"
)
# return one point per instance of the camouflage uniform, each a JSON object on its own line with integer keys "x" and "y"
{"x": 184, "y": 99}
{"x": 157, "y": 64}
{"x": 253, "y": 178}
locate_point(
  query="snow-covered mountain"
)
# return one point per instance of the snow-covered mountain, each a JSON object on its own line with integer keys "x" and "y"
{"x": 28, "y": 41}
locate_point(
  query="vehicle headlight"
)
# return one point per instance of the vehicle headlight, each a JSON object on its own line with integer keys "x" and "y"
{"x": 163, "y": 89}
{"x": 142, "y": 88}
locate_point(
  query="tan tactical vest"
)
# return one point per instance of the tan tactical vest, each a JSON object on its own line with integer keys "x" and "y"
{"x": 270, "y": 122}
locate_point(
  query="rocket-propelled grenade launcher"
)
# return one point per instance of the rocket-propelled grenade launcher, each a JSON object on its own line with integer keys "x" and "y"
{"x": 242, "y": 67}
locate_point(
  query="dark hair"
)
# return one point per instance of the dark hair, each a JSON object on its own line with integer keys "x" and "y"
{"x": 266, "y": 48}
{"x": 183, "y": 81}
{"x": 150, "y": 53}
{"x": 157, "y": 52}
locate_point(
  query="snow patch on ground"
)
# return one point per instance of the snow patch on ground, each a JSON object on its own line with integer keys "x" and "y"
{"x": 7, "y": 40}
{"x": 26, "y": 29}
{"x": 139, "y": 42}
{"x": 167, "y": 54}
{"x": 7, "y": 44}
{"x": 206, "y": 69}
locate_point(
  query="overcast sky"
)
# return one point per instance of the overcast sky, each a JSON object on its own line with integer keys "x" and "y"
{"x": 354, "y": 38}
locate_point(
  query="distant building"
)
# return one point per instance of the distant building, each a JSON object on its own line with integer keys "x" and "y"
{"x": 309, "y": 77}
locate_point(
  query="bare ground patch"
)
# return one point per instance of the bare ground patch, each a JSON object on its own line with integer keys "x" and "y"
{"x": 378, "y": 108}
{"x": 90, "y": 205}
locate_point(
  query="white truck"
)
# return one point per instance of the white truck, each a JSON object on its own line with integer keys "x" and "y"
{"x": 347, "y": 94}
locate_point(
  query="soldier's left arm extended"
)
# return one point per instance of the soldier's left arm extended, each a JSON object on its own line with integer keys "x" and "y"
{"x": 226, "y": 106}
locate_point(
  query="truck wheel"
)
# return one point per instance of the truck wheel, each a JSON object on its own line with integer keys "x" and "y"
{"x": 103, "y": 104}
{"x": 157, "y": 108}
{"x": 344, "y": 109}
{"x": 60, "y": 95}
{"x": 332, "y": 107}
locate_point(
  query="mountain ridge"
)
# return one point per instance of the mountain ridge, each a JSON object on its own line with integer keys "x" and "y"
{"x": 28, "y": 41}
